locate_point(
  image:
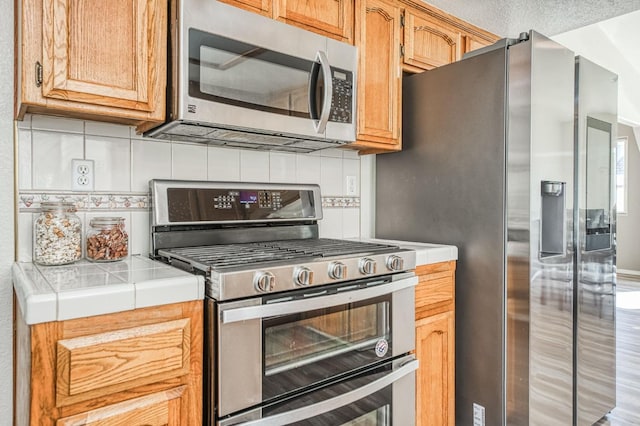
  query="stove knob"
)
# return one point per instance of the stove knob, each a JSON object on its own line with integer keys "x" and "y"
{"x": 264, "y": 281}
{"x": 367, "y": 266}
{"x": 302, "y": 276}
{"x": 395, "y": 263}
{"x": 337, "y": 270}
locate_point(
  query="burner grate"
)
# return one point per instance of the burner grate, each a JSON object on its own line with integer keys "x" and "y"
{"x": 230, "y": 255}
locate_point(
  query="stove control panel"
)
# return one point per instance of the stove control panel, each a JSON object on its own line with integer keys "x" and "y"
{"x": 242, "y": 204}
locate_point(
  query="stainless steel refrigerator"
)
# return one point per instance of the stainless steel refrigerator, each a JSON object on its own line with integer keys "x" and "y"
{"x": 488, "y": 165}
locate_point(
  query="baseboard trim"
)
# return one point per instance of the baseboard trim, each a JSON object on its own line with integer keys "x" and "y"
{"x": 629, "y": 273}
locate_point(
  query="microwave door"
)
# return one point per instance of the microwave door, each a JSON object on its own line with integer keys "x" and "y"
{"x": 320, "y": 92}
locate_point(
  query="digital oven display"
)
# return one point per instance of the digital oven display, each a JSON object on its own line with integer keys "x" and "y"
{"x": 248, "y": 197}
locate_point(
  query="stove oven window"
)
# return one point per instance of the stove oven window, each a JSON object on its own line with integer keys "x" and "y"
{"x": 310, "y": 347}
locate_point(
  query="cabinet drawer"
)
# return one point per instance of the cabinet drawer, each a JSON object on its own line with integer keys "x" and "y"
{"x": 100, "y": 364}
{"x": 158, "y": 409}
{"x": 436, "y": 287}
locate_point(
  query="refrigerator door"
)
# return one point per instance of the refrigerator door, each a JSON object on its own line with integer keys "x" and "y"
{"x": 539, "y": 329}
{"x": 447, "y": 185}
{"x": 595, "y": 334}
{"x": 460, "y": 180}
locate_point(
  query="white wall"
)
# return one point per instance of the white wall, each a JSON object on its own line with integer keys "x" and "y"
{"x": 628, "y": 227}
{"x": 6, "y": 211}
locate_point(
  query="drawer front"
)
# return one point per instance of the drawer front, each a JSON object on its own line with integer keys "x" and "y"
{"x": 100, "y": 364}
{"x": 436, "y": 287}
{"x": 158, "y": 409}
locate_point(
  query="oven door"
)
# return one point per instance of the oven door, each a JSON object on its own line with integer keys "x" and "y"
{"x": 272, "y": 347}
{"x": 381, "y": 396}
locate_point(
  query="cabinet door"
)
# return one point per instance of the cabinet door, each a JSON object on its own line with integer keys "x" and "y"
{"x": 378, "y": 40}
{"x": 435, "y": 381}
{"x": 470, "y": 42}
{"x": 429, "y": 43}
{"x": 103, "y": 60}
{"x": 263, "y": 7}
{"x": 333, "y": 18}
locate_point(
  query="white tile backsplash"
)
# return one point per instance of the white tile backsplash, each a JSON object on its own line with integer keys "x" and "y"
{"x": 24, "y": 159}
{"x": 52, "y": 154}
{"x": 331, "y": 176}
{"x": 224, "y": 164}
{"x": 254, "y": 166}
{"x": 125, "y": 162}
{"x": 139, "y": 233}
{"x": 149, "y": 160}
{"x": 282, "y": 167}
{"x": 112, "y": 162}
{"x": 350, "y": 223}
{"x": 106, "y": 129}
{"x": 189, "y": 161}
{"x": 308, "y": 168}
{"x": 57, "y": 124}
{"x": 331, "y": 224}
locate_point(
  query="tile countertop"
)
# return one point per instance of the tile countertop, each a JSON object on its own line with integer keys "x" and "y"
{"x": 426, "y": 253}
{"x": 82, "y": 289}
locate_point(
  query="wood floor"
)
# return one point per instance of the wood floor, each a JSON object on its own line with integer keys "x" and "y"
{"x": 627, "y": 411}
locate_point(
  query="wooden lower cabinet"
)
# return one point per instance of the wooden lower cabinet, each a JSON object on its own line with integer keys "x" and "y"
{"x": 435, "y": 344}
{"x": 435, "y": 348}
{"x": 134, "y": 368}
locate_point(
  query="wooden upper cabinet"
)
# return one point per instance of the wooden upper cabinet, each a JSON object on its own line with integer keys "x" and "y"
{"x": 333, "y": 18}
{"x": 428, "y": 43}
{"x": 471, "y": 42}
{"x": 103, "y": 60}
{"x": 263, "y": 7}
{"x": 377, "y": 37}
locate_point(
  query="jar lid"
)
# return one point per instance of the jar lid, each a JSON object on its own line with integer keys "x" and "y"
{"x": 58, "y": 206}
{"x": 104, "y": 221}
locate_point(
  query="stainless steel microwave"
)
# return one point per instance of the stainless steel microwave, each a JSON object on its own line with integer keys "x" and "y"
{"x": 243, "y": 80}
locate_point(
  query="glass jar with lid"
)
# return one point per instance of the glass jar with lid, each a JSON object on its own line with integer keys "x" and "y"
{"x": 57, "y": 234}
{"x": 107, "y": 241}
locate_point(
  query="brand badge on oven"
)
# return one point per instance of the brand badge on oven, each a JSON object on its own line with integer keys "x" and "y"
{"x": 382, "y": 346}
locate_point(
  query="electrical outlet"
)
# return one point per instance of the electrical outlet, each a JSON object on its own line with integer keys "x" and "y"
{"x": 82, "y": 175}
{"x": 352, "y": 186}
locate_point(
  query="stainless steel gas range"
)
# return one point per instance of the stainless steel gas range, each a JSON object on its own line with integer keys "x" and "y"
{"x": 299, "y": 329}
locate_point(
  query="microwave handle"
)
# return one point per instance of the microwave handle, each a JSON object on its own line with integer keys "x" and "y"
{"x": 334, "y": 403}
{"x": 296, "y": 306}
{"x": 321, "y": 123}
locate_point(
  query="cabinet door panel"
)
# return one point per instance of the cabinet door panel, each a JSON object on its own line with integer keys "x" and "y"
{"x": 435, "y": 349}
{"x": 378, "y": 40}
{"x": 331, "y": 17}
{"x": 263, "y": 7}
{"x": 99, "y": 363}
{"x": 157, "y": 409}
{"x": 100, "y": 52}
{"x": 429, "y": 43}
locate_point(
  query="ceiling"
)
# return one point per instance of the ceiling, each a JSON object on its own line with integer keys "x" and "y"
{"x": 606, "y": 32}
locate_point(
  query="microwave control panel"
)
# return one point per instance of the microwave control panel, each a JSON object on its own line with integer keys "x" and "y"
{"x": 342, "y": 99}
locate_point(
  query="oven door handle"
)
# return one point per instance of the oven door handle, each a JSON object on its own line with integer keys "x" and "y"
{"x": 334, "y": 403}
{"x": 296, "y": 306}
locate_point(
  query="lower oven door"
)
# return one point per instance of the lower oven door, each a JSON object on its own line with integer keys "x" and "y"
{"x": 381, "y": 396}
{"x": 272, "y": 347}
